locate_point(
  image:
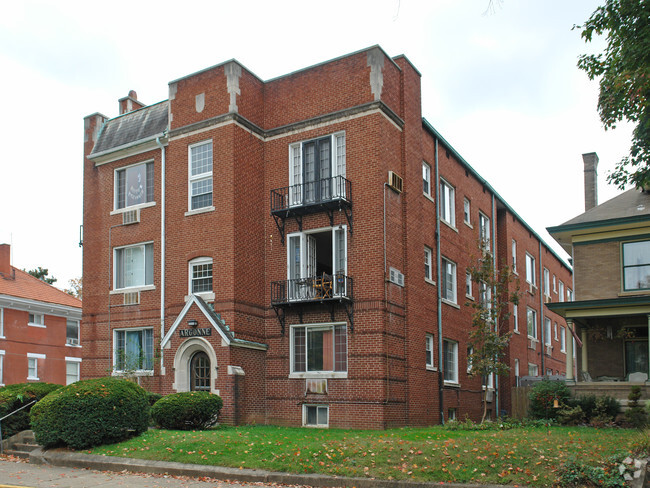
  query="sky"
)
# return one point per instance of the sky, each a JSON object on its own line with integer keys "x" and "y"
{"x": 501, "y": 85}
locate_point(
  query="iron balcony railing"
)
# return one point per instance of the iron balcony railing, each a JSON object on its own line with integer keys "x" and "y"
{"x": 313, "y": 289}
{"x": 325, "y": 192}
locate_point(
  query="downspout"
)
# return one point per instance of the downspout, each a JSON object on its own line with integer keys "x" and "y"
{"x": 162, "y": 251}
{"x": 439, "y": 292}
{"x": 495, "y": 298}
{"x": 541, "y": 309}
{"x": 386, "y": 302}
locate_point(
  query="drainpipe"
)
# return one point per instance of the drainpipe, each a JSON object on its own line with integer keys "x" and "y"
{"x": 541, "y": 309}
{"x": 386, "y": 302}
{"x": 494, "y": 297}
{"x": 439, "y": 293}
{"x": 162, "y": 251}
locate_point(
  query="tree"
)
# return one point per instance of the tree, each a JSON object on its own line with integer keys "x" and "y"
{"x": 624, "y": 71}
{"x": 490, "y": 335}
{"x": 75, "y": 288}
{"x": 41, "y": 274}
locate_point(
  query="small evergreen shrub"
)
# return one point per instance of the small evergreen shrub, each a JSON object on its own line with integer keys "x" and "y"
{"x": 542, "y": 398}
{"x": 574, "y": 474}
{"x": 153, "y": 397}
{"x": 91, "y": 413}
{"x": 587, "y": 404}
{"x": 568, "y": 415}
{"x": 606, "y": 410}
{"x": 635, "y": 414}
{"x": 187, "y": 411}
{"x": 12, "y": 397}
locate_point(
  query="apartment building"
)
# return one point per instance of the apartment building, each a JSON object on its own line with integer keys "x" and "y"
{"x": 264, "y": 240}
{"x": 40, "y": 333}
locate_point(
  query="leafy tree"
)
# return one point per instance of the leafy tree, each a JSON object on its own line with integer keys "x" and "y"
{"x": 42, "y": 274}
{"x": 75, "y": 288}
{"x": 490, "y": 333}
{"x": 624, "y": 71}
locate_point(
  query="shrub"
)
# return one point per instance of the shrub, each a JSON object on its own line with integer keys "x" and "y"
{"x": 12, "y": 397}
{"x": 153, "y": 397}
{"x": 606, "y": 410}
{"x": 574, "y": 474}
{"x": 187, "y": 411}
{"x": 542, "y": 398}
{"x": 90, "y": 413}
{"x": 587, "y": 404}
{"x": 571, "y": 415}
{"x": 635, "y": 414}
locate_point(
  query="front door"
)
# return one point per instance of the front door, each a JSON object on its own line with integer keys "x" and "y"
{"x": 636, "y": 356}
{"x": 200, "y": 372}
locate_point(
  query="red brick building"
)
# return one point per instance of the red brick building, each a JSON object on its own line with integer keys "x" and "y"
{"x": 40, "y": 336}
{"x": 264, "y": 240}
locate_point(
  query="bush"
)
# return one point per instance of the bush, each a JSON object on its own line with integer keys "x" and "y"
{"x": 635, "y": 414}
{"x": 599, "y": 410}
{"x": 12, "y": 397}
{"x": 571, "y": 415}
{"x": 90, "y": 413}
{"x": 187, "y": 411}
{"x": 574, "y": 474}
{"x": 153, "y": 397}
{"x": 587, "y": 404}
{"x": 542, "y": 398}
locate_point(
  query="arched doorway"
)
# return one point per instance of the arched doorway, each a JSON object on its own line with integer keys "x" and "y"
{"x": 200, "y": 372}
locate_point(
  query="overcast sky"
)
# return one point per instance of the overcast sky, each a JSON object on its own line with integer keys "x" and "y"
{"x": 503, "y": 89}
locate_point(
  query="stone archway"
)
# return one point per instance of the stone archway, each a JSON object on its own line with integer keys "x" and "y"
{"x": 183, "y": 359}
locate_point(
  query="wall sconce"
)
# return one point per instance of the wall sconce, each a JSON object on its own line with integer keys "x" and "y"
{"x": 193, "y": 322}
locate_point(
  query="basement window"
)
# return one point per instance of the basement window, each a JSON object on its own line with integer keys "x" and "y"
{"x": 315, "y": 416}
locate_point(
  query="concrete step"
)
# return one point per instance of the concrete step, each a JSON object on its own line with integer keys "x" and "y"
{"x": 25, "y": 446}
{"x": 19, "y": 454}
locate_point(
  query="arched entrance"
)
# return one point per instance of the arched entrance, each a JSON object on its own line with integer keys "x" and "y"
{"x": 195, "y": 366}
{"x": 200, "y": 372}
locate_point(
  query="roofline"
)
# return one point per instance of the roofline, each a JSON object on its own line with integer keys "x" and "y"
{"x": 598, "y": 224}
{"x": 132, "y": 144}
{"x": 427, "y": 125}
{"x": 48, "y": 308}
{"x": 131, "y": 112}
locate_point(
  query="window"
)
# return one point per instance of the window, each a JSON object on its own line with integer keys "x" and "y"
{"x": 2, "y": 326}
{"x": 547, "y": 283}
{"x": 549, "y": 372}
{"x": 468, "y": 285}
{"x": 569, "y": 295}
{"x": 315, "y": 415}
{"x": 32, "y": 365}
{"x": 562, "y": 339}
{"x": 467, "y": 214}
{"x": 426, "y": 179}
{"x": 555, "y": 330}
{"x": 133, "y": 350}
{"x": 134, "y": 185}
{"x": 36, "y": 320}
{"x": 317, "y": 170}
{"x": 516, "y": 372}
{"x": 560, "y": 291}
{"x": 133, "y": 266}
{"x": 448, "y": 280}
{"x": 200, "y": 275}
{"x": 200, "y": 178}
{"x": 450, "y": 350}
{"x": 484, "y": 295}
{"x": 319, "y": 348}
{"x": 451, "y": 414}
{"x": 636, "y": 265}
{"x": 72, "y": 368}
{"x": 515, "y": 314}
{"x": 530, "y": 269}
{"x": 547, "y": 331}
{"x": 531, "y": 319}
{"x": 554, "y": 285}
{"x": 514, "y": 256}
{"x": 428, "y": 270}
{"x": 429, "y": 351}
{"x": 470, "y": 351}
{"x": 72, "y": 332}
{"x": 484, "y": 231}
{"x": 533, "y": 370}
{"x": 448, "y": 205}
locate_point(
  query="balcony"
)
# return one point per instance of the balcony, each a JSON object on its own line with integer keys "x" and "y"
{"x": 299, "y": 293}
{"x": 325, "y": 195}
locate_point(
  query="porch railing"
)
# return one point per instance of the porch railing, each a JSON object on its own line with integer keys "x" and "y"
{"x": 325, "y": 191}
{"x": 312, "y": 289}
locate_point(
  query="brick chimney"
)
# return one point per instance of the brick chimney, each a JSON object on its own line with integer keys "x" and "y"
{"x": 129, "y": 103}
{"x": 5, "y": 259}
{"x": 591, "y": 180}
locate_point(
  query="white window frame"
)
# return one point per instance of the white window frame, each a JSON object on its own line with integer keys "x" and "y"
{"x": 560, "y": 291}
{"x": 554, "y": 284}
{"x": 145, "y": 286}
{"x": 516, "y": 372}
{"x": 450, "y": 368}
{"x": 199, "y": 177}
{"x": 468, "y": 285}
{"x": 428, "y": 264}
{"x": 146, "y": 202}
{"x": 515, "y": 314}
{"x": 531, "y": 313}
{"x": 563, "y": 339}
{"x": 485, "y": 295}
{"x": 484, "y": 231}
{"x": 73, "y": 341}
{"x": 445, "y": 264}
{"x": 547, "y": 332}
{"x": 200, "y": 261}
{"x": 2, "y": 327}
{"x": 447, "y": 203}
{"x": 569, "y": 295}
{"x": 530, "y": 269}
{"x": 547, "y": 282}
{"x": 332, "y": 326}
{"x": 467, "y": 211}
{"x": 2, "y": 367}
{"x": 514, "y": 256}
{"x": 428, "y": 340}
{"x": 533, "y": 369}
{"x": 426, "y": 179}
{"x": 632, "y": 279}
{"x": 318, "y": 407}
{"x": 451, "y": 414}
{"x": 36, "y": 320}
{"x": 470, "y": 351}
{"x": 33, "y": 357}
{"x": 72, "y": 360}
{"x": 555, "y": 330}
{"x": 138, "y": 371}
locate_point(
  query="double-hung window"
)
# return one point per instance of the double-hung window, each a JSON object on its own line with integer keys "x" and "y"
{"x": 72, "y": 332}
{"x": 72, "y": 369}
{"x": 468, "y": 285}
{"x": 562, "y": 339}
{"x": 133, "y": 349}
{"x": 133, "y": 266}
{"x": 450, "y": 351}
{"x": 200, "y": 175}
{"x": 530, "y": 269}
{"x": 547, "y": 283}
{"x": 32, "y": 365}
{"x": 514, "y": 256}
{"x": 447, "y": 203}
{"x": 531, "y": 319}
{"x": 429, "y": 351}
{"x": 428, "y": 270}
{"x": 448, "y": 277}
{"x": 636, "y": 265}
{"x": 426, "y": 179}
{"x": 560, "y": 291}
{"x": 515, "y": 315}
{"x": 533, "y": 369}
{"x": 547, "y": 331}
{"x": 319, "y": 349}
{"x": 201, "y": 276}
{"x": 467, "y": 212}
{"x": 134, "y": 185}
{"x": 485, "y": 296}
{"x": 317, "y": 170}
{"x": 484, "y": 231}
{"x": 36, "y": 320}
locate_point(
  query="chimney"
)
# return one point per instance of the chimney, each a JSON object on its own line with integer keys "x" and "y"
{"x": 5, "y": 259}
{"x": 591, "y": 180}
{"x": 129, "y": 103}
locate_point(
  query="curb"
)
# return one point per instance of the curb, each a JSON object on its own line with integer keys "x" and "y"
{"x": 65, "y": 458}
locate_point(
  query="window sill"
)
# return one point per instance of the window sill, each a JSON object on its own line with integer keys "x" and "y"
{"x": 40, "y": 326}
{"x": 534, "y": 339}
{"x": 74, "y": 345}
{"x": 430, "y": 281}
{"x": 31, "y": 378}
{"x": 468, "y": 224}
{"x": 121, "y": 291}
{"x": 452, "y": 384}
{"x": 448, "y": 224}
{"x": 205, "y": 296}
{"x": 428, "y": 197}
{"x": 431, "y": 368}
{"x": 317, "y": 375}
{"x": 118, "y": 211}
{"x": 469, "y": 297}
{"x": 516, "y": 332}
{"x": 450, "y": 303}
{"x": 199, "y": 211}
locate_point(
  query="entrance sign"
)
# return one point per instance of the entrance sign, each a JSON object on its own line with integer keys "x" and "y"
{"x": 195, "y": 332}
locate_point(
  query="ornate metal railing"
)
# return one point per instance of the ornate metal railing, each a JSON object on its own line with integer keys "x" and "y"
{"x": 325, "y": 192}
{"x": 313, "y": 289}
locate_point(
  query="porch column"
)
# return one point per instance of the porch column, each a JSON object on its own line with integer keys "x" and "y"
{"x": 583, "y": 356}
{"x": 569, "y": 351}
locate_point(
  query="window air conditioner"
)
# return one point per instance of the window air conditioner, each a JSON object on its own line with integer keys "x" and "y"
{"x": 72, "y": 341}
{"x": 131, "y": 217}
{"x": 532, "y": 344}
{"x": 396, "y": 277}
{"x": 395, "y": 181}
{"x": 132, "y": 298}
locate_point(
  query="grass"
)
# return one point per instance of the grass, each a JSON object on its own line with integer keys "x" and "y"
{"x": 523, "y": 455}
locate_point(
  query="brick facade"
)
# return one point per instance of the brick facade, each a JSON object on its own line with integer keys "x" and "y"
{"x": 335, "y": 255}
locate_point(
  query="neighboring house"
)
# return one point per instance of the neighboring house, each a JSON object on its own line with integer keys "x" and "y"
{"x": 40, "y": 338}
{"x": 300, "y": 246}
{"x": 610, "y": 246}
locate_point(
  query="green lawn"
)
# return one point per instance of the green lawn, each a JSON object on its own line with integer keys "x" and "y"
{"x": 524, "y": 455}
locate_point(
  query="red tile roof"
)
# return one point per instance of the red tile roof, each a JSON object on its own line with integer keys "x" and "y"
{"x": 21, "y": 284}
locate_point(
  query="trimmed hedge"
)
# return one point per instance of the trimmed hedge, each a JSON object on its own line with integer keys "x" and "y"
{"x": 12, "y": 397}
{"x": 153, "y": 397}
{"x": 91, "y": 413}
{"x": 194, "y": 410}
